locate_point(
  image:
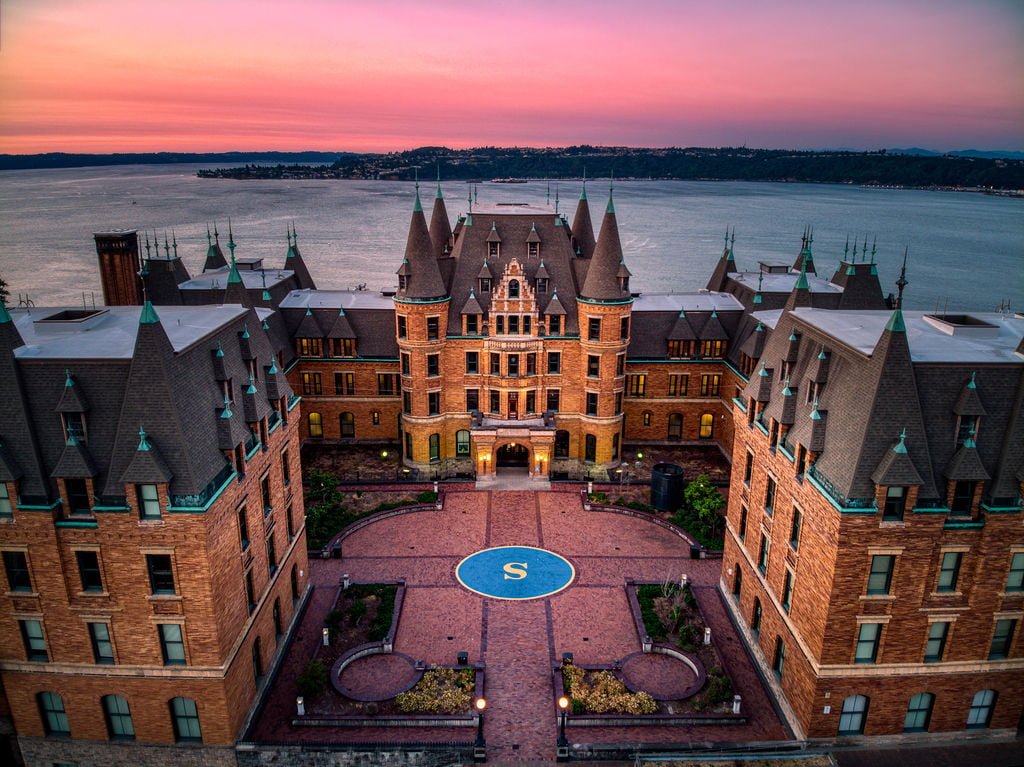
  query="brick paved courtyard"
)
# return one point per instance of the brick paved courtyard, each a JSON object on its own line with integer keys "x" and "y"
{"x": 518, "y": 640}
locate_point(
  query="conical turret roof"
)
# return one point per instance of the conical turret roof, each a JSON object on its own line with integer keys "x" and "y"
{"x": 602, "y": 282}
{"x": 214, "y": 254}
{"x": 472, "y": 306}
{"x": 342, "y": 328}
{"x": 424, "y": 281}
{"x": 583, "y": 227}
{"x": 147, "y": 466}
{"x": 968, "y": 403}
{"x": 440, "y": 227}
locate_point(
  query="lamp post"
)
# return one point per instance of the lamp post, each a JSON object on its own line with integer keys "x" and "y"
{"x": 480, "y": 747}
{"x": 562, "y": 752}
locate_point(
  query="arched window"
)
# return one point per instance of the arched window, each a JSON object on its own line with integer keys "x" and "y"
{"x": 615, "y": 447}
{"x": 462, "y": 442}
{"x": 854, "y": 715}
{"x": 119, "y": 718}
{"x": 51, "y": 710}
{"x": 737, "y": 580}
{"x": 316, "y": 425}
{"x": 561, "y": 444}
{"x": 185, "y": 718}
{"x": 755, "y": 617}
{"x": 257, "y": 660}
{"x": 919, "y": 711}
{"x": 295, "y": 584}
{"x": 980, "y": 713}
{"x": 590, "y": 450}
{"x": 513, "y": 288}
{"x": 277, "y": 618}
{"x": 707, "y": 426}
{"x": 675, "y": 426}
{"x": 348, "y": 425}
{"x": 435, "y": 447}
{"x": 375, "y": 417}
{"x": 779, "y": 660}
{"x": 647, "y": 418}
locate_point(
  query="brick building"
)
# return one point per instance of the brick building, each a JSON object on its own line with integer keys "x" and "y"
{"x": 152, "y": 542}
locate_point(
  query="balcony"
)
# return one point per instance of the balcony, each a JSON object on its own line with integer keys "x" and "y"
{"x": 204, "y": 497}
{"x": 827, "y": 488}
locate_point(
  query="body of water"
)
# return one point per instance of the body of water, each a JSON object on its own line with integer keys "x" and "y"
{"x": 966, "y": 250}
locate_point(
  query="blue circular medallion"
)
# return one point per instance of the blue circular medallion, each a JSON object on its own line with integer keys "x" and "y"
{"x": 515, "y": 572}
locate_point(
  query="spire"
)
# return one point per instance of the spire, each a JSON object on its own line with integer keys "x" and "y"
{"x": 144, "y": 445}
{"x": 602, "y": 282}
{"x": 423, "y": 275}
{"x": 582, "y": 226}
{"x": 902, "y": 282}
{"x": 757, "y": 296}
{"x": 294, "y": 262}
{"x": 583, "y": 192}
{"x": 214, "y": 254}
{"x": 726, "y": 265}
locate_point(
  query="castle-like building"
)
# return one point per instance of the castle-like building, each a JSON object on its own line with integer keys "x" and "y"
{"x": 151, "y": 519}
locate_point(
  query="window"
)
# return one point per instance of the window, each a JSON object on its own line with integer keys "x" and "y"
{"x": 680, "y": 348}
{"x": 462, "y": 442}
{"x": 89, "y": 570}
{"x": 794, "y": 530}
{"x": 375, "y": 417}
{"x": 472, "y": 324}
{"x": 531, "y": 401}
{"x": 593, "y": 365}
{"x": 403, "y": 328}
{"x": 779, "y": 659}
{"x": 895, "y": 503}
{"x": 308, "y": 347}
{"x": 16, "y": 565}
{"x": 495, "y": 401}
{"x": 499, "y": 325}
{"x": 646, "y": 418}
{"x": 963, "y": 498}
{"x": 433, "y": 365}
{"x": 286, "y": 474}
{"x": 485, "y": 284}
{"x": 472, "y": 363}
{"x": 348, "y": 425}
{"x": 1002, "y": 638}
{"x": 980, "y": 713}
{"x": 554, "y": 325}
{"x": 472, "y": 400}
{"x": 295, "y": 584}
{"x": 433, "y": 403}
{"x": 405, "y": 363}
{"x": 435, "y": 447}
{"x": 755, "y": 617}
{"x": 709, "y": 385}
{"x": 277, "y": 618}
{"x": 624, "y": 328}
{"x": 243, "y": 527}
{"x": 542, "y": 283}
{"x": 148, "y": 500}
{"x": 949, "y": 571}
{"x": 406, "y": 402}
{"x": 712, "y": 349}
{"x": 737, "y": 580}
{"x": 311, "y": 383}
{"x": 675, "y": 426}
{"x": 74, "y": 426}
{"x": 102, "y": 647}
{"x": 172, "y": 644}
{"x": 492, "y": 250}
{"x": 880, "y": 574}
{"x": 636, "y": 385}
{"x": 594, "y": 329}
{"x": 590, "y": 448}
{"x": 919, "y": 712}
{"x": 161, "y": 576}
{"x": 936, "y": 644}
{"x": 257, "y": 660}
{"x": 591, "y": 403}
{"x": 432, "y": 328}
{"x": 250, "y": 591}
{"x": 1015, "y": 578}
{"x": 316, "y": 425}
{"x": 6, "y": 511}
{"x": 968, "y": 427}
{"x": 35, "y": 642}
{"x": 707, "y": 426}
{"x": 51, "y": 710}
{"x": 513, "y": 364}
{"x": 513, "y": 325}
{"x": 853, "y": 715}
{"x": 78, "y": 497}
{"x": 677, "y": 385}
{"x": 561, "y": 444}
{"x": 615, "y": 447}
{"x": 344, "y": 384}
{"x": 290, "y": 522}
{"x": 265, "y": 494}
{"x": 763, "y": 552}
{"x": 119, "y": 718}
{"x": 271, "y": 555}
{"x": 769, "y": 497}
{"x": 531, "y": 364}
{"x": 185, "y": 717}
{"x": 868, "y": 638}
{"x": 743, "y": 523}
{"x": 787, "y": 592}
{"x": 554, "y": 363}
{"x": 553, "y": 397}
{"x": 620, "y": 365}
{"x": 495, "y": 364}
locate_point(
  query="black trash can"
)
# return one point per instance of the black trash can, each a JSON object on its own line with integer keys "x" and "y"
{"x": 666, "y": 486}
{"x": 695, "y": 552}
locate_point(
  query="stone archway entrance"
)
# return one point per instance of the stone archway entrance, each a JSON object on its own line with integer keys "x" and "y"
{"x": 513, "y": 455}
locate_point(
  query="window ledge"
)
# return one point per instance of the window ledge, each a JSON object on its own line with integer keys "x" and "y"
{"x": 93, "y": 594}
{"x": 164, "y": 598}
{"x": 878, "y": 597}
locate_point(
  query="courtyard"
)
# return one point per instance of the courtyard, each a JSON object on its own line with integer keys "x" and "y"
{"x": 518, "y": 641}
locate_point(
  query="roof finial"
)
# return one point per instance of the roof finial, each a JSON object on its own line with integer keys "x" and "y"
{"x": 971, "y": 384}
{"x": 174, "y": 242}
{"x": 874, "y": 242}
{"x": 846, "y": 247}
{"x": 476, "y": 191}
{"x": 611, "y": 193}
{"x": 902, "y": 282}
{"x": 209, "y": 240}
{"x": 167, "y": 248}
{"x": 732, "y": 239}
{"x": 583, "y": 194}
{"x": 295, "y": 234}
{"x": 549, "y": 194}
{"x": 418, "y": 206}
{"x": 216, "y": 234}
{"x": 901, "y": 446}
{"x": 143, "y": 442}
{"x": 231, "y": 236}
{"x": 147, "y": 246}
{"x": 556, "y": 199}
{"x": 438, "y": 194}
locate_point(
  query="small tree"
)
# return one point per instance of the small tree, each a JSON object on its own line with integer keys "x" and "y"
{"x": 701, "y": 497}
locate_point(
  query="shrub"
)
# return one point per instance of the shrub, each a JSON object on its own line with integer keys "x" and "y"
{"x": 646, "y": 594}
{"x": 687, "y": 637}
{"x": 717, "y": 690}
{"x": 440, "y": 691}
{"x": 427, "y": 496}
{"x": 356, "y": 612}
{"x": 603, "y": 693}
{"x": 313, "y": 680}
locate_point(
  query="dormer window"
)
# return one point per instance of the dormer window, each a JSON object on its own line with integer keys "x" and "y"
{"x": 967, "y": 428}
{"x": 492, "y": 249}
{"x": 77, "y": 500}
{"x": 403, "y": 282}
{"x": 485, "y": 285}
{"x": 74, "y": 426}
{"x": 895, "y": 503}
{"x": 533, "y": 249}
{"x": 308, "y": 347}
{"x": 472, "y": 324}
{"x": 513, "y": 288}
{"x": 961, "y": 501}
{"x": 343, "y": 347}
{"x": 542, "y": 285}
{"x": 624, "y": 284}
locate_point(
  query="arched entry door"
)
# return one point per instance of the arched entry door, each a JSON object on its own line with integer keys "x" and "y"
{"x": 513, "y": 455}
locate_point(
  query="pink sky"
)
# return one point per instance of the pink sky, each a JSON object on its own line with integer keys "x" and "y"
{"x": 202, "y": 75}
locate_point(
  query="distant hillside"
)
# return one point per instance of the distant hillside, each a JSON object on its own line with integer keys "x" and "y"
{"x": 65, "y": 160}
{"x": 985, "y": 155}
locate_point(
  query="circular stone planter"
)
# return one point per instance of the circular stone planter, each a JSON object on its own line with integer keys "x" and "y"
{"x": 515, "y": 572}
{"x": 663, "y": 675}
{"x": 376, "y": 677}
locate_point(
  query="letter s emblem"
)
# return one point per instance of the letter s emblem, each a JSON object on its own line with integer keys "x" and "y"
{"x": 514, "y": 571}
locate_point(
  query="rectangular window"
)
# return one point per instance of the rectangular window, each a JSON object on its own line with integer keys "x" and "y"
{"x": 499, "y": 325}
{"x": 308, "y": 347}
{"x": 432, "y": 328}
{"x": 148, "y": 500}
{"x": 748, "y": 469}
{"x": 495, "y": 364}
{"x": 1002, "y": 638}
{"x": 553, "y": 400}
{"x": 963, "y": 498}
{"x": 16, "y": 566}
{"x": 102, "y": 647}
{"x": 6, "y": 510}
{"x": 709, "y": 385}
{"x": 472, "y": 363}
{"x": 186, "y": 721}
{"x": 406, "y": 402}
{"x": 472, "y": 324}
{"x": 712, "y": 349}
{"x": 1015, "y": 578}
{"x": 513, "y": 325}
{"x": 620, "y": 365}
{"x": 895, "y": 503}
{"x": 485, "y": 284}
{"x": 286, "y": 472}
{"x": 344, "y": 384}
{"x": 542, "y": 285}
{"x": 172, "y": 644}
{"x": 271, "y": 555}
{"x": 433, "y": 365}
{"x": 387, "y": 384}
{"x": 794, "y": 530}
{"x": 593, "y": 365}
{"x": 472, "y": 400}
{"x": 250, "y": 591}
{"x": 624, "y": 328}
{"x": 618, "y": 403}
{"x": 89, "y": 570}
{"x": 769, "y": 497}
{"x": 406, "y": 365}
{"x": 637, "y": 385}
{"x": 762, "y": 554}
{"x": 949, "y": 571}
{"x": 787, "y": 592}
{"x": 290, "y": 521}
{"x": 880, "y": 574}
{"x": 402, "y": 326}
{"x": 591, "y": 403}
{"x": 594, "y": 329}
{"x": 495, "y": 401}
{"x": 677, "y": 385}
{"x": 531, "y": 364}
{"x": 936, "y": 644}
{"x": 513, "y": 364}
{"x": 161, "y": 575}
{"x": 867, "y": 643}
{"x": 35, "y": 643}
{"x": 78, "y": 497}
{"x": 433, "y": 403}
{"x": 311, "y": 383}
{"x": 743, "y": 523}
{"x": 531, "y": 401}
{"x": 554, "y": 363}
{"x": 555, "y": 325}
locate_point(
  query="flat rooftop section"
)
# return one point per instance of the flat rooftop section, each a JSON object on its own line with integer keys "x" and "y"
{"x": 337, "y": 299}
{"x": 783, "y": 283}
{"x": 109, "y": 332}
{"x": 993, "y": 339}
{"x": 514, "y": 209}
{"x": 705, "y": 301}
{"x": 252, "y": 279}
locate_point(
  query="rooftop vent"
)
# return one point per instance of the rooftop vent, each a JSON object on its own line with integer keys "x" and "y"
{"x": 70, "y": 319}
{"x": 962, "y": 325}
{"x": 773, "y": 268}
